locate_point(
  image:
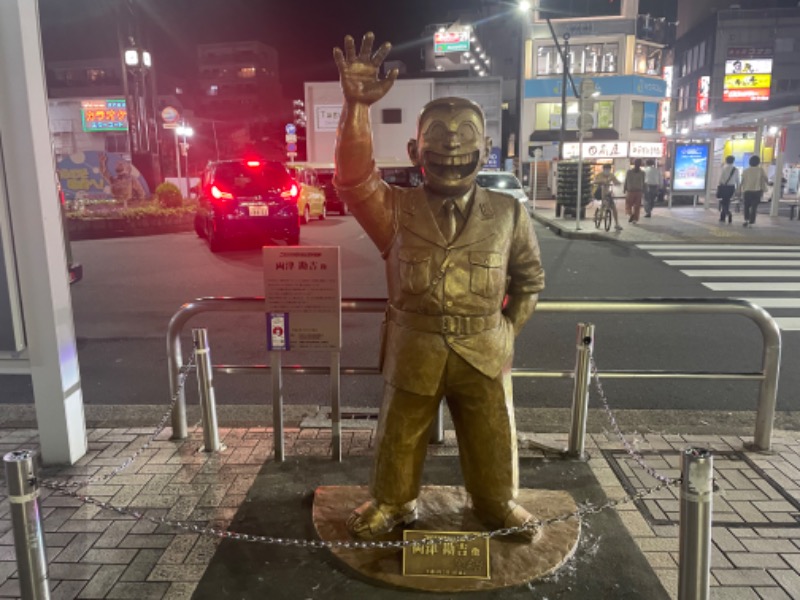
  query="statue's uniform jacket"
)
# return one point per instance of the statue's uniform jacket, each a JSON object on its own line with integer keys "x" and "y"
{"x": 461, "y": 285}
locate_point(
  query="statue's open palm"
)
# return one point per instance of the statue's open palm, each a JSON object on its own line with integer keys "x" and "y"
{"x": 359, "y": 72}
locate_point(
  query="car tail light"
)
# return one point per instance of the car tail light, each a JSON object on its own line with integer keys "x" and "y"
{"x": 219, "y": 194}
{"x": 253, "y": 163}
{"x": 291, "y": 192}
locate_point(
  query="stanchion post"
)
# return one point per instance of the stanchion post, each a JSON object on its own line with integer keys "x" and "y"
{"x": 580, "y": 394}
{"x": 205, "y": 387}
{"x": 694, "y": 551}
{"x": 437, "y": 427}
{"x": 21, "y": 468}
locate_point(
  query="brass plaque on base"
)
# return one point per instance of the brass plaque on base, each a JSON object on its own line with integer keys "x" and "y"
{"x": 446, "y": 559}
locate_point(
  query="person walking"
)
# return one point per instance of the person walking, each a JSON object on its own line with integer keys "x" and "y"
{"x": 729, "y": 181}
{"x": 753, "y": 186}
{"x": 653, "y": 182}
{"x": 634, "y": 188}
{"x": 604, "y": 181}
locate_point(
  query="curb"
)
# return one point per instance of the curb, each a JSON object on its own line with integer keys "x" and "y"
{"x": 571, "y": 234}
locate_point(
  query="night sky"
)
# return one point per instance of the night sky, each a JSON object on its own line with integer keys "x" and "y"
{"x": 302, "y": 31}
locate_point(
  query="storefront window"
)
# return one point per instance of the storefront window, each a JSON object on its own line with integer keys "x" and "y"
{"x": 548, "y": 115}
{"x": 588, "y": 58}
{"x": 644, "y": 115}
{"x": 647, "y": 59}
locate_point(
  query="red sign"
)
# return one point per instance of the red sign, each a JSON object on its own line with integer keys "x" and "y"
{"x": 745, "y": 95}
{"x": 703, "y": 85}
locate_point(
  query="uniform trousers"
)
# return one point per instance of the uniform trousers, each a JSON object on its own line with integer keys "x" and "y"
{"x": 483, "y": 415}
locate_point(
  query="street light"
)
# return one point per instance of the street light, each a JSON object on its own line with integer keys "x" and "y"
{"x": 186, "y": 132}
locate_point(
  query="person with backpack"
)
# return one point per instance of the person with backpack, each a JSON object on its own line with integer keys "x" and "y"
{"x": 728, "y": 184}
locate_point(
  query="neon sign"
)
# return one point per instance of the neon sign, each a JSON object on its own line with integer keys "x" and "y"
{"x": 104, "y": 115}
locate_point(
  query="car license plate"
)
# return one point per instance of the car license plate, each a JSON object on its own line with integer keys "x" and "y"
{"x": 259, "y": 211}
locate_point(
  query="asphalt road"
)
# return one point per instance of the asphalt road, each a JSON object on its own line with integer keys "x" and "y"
{"x": 132, "y": 286}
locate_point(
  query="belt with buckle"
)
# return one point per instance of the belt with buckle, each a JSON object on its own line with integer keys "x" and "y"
{"x": 444, "y": 324}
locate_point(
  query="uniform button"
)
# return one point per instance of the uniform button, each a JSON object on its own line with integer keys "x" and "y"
{"x": 451, "y": 266}
{"x": 449, "y": 338}
{"x": 449, "y": 303}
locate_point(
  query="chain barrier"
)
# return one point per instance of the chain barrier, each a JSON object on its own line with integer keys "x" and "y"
{"x": 70, "y": 489}
{"x": 63, "y": 485}
{"x": 585, "y": 509}
{"x": 634, "y": 454}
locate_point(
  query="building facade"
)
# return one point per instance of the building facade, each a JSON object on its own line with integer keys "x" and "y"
{"x": 737, "y": 88}
{"x": 623, "y": 54}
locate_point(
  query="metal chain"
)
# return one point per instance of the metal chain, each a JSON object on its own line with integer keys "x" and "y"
{"x": 634, "y": 454}
{"x": 585, "y": 509}
{"x": 61, "y": 485}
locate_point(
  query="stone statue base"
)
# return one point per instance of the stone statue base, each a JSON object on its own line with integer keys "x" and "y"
{"x": 447, "y": 508}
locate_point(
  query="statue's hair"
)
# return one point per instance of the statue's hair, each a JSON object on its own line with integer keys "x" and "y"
{"x": 451, "y": 102}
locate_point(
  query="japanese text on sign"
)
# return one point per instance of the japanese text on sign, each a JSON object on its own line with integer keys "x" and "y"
{"x": 467, "y": 559}
{"x": 104, "y": 115}
{"x": 304, "y": 283}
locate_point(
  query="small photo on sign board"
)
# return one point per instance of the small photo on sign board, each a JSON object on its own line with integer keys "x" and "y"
{"x": 445, "y": 558}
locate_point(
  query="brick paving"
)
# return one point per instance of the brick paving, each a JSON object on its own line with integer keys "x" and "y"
{"x": 98, "y": 553}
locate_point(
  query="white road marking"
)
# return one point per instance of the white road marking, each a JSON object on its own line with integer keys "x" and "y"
{"x": 751, "y": 286}
{"x": 736, "y": 273}
{"x": 733, "y": 263}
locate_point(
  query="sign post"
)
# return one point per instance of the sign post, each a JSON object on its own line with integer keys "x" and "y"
{"x": 303, "y": 305}
{"x": 585, "y": 123}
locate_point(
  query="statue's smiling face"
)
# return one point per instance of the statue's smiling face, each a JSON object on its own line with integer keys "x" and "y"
{"x": 451, "y": 147}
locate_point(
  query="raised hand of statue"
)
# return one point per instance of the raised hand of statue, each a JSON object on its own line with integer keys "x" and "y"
{"x": 359, "y": 72}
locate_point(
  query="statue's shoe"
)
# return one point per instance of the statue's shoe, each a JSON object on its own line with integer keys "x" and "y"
{"x": 373, "y": 519}
{"x": 518, "y": 517}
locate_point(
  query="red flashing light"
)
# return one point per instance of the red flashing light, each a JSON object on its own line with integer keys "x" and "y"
{"x": 293, "y": 192}
{"x": 253, "y": 163}
{"x": 219, "y": 194}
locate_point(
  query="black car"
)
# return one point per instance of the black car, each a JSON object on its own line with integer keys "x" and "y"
{"x": 247, "y": 200}
{"x": 332, "y": 201}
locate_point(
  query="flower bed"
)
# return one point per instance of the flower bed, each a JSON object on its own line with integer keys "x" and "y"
{"x": 103, "y": 220}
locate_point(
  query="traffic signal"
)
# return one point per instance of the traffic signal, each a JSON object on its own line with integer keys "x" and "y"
{"x": 586, "y": 105}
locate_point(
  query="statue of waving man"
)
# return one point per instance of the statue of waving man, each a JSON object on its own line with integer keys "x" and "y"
{"x": 464, "y": 273}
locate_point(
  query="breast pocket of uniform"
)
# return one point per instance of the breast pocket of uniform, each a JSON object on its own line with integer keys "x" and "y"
{"x": 415, "y": 270}
{"x": 486, "y": 276}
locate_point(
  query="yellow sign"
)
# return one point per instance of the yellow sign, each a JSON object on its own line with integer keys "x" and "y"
{"x": 744, "y": 81}
{"x": 446, "y": 559}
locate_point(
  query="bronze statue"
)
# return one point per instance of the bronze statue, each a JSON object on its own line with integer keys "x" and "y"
{"x": 464, "y": 273}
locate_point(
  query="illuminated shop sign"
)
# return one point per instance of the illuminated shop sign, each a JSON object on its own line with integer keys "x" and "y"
{"x": 703, "y": 88}
{"x": 451, "y": 41}
{"x": 748, "y": 75}
{"x": 598, "y": 150}
{"x": 104, "y": 115}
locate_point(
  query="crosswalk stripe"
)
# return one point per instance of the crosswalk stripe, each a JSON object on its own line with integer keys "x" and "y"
{"x": 768, "y": 276}
{"x": 729, "y": 254}
{"x": 788, "y": 323}
{"x": 775, "y": 302}
{"x": 743, "y": 273}
{"x": 733, "y": 263}
{"x": 753, "y": 286}
{"x": 714, "y": 247}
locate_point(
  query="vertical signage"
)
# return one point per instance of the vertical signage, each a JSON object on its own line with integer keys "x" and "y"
{"x": 691, "y": 167}
{"x": 703, "y": 87}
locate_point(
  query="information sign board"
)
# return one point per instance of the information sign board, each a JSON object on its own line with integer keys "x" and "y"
{"x": 691, "y": 167}
{"x": 303, "y": 297}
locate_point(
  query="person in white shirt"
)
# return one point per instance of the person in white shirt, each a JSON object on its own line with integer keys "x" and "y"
{"x": 728, "y": 183}
{"x": 754, "y": 185}
{"x": 653, "y": 182}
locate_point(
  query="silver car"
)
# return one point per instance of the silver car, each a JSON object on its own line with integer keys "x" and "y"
{"x": 502, "y": 181}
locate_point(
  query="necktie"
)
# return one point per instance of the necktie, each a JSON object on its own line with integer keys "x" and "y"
{"x": 449, "y": 223}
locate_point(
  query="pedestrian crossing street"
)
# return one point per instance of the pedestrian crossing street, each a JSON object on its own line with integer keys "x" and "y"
{"x": 767, "y": 275}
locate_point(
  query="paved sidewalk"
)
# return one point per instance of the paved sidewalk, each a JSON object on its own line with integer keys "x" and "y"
{"x": 680, "y": 224}
{"x": 98, "y": 553}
